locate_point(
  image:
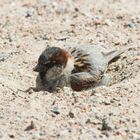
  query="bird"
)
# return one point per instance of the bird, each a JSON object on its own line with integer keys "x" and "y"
{"x": 80, "y": 67}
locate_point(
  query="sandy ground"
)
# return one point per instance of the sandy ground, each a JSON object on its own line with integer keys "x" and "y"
{"x": 26, "y": 28}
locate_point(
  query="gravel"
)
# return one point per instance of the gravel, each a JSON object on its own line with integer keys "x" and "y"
{"x": 26, "y": 28}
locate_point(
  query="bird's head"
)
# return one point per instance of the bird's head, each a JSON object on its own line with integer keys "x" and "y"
{"x": 50, "y": 57}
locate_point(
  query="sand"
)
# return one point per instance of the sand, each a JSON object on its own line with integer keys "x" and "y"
{"x": 27, "y": 27}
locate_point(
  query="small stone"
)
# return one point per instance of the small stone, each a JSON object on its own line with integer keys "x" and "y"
{"x": 118, "y": 133}
{"x": 11, "y": 136}
{"x": 107, "y": 102}
{"x": 28, "y": 14}
{"x": 42, "y": 133}
{"x": 120, "y": 17}
{"x": 71, "y": 114}
{"x": 127, "y": 130}
{"x": 93, "y": 121}
{"x": 55, "y": 111}
{"x": 62, "y": 38}
{"x": 98, "y": 115}
{"x": 30, "y": 127}
{"x": 108, "y": 22}
{"x": 3, "y": 56}
{"x": 133, "y": 121}
{"x": 107, "y": 125}
{"x": 131, "y": 25}
{"x": 45, "y": 37}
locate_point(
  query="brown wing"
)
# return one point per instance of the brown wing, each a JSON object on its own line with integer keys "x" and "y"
{"x": 81, "y": 60}
{"x": 84, "y": 80}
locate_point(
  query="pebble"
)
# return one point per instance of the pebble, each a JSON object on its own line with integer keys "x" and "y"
{"x": 11, "y": 136}
{"x": 93, "y": 121}
{"x": 106, "y": 102}
{"x": 71, "y": 114}
{"x": 29, "y": 13}
{"x": 4, "y": 56}
{"x": 108, "y": 22}
{"x": 55, "y": 110}
{"x": 131, "y": 25}
{"x": 42, "y": 133}
{"x": 30, "y": 127}
{"x": 107, "y": 125}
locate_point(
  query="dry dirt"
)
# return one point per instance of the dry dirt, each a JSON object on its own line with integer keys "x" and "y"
{"x": 26, "y": 28}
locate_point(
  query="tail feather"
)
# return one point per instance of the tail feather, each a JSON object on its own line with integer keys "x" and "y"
{"x": 115, "y": 54}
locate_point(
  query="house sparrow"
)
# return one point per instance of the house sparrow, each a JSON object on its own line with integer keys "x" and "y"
{"x": 80, "y": 67}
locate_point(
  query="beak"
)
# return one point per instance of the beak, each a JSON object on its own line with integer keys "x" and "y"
{"x": 37, "y": 68}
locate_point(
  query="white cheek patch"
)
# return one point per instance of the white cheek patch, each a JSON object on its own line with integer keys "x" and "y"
{"x": 69, "y": 66}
